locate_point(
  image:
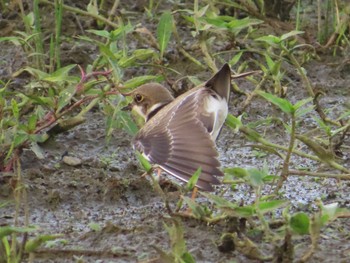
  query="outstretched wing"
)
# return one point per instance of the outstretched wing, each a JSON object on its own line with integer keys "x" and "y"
{"x": 179, "y": 143}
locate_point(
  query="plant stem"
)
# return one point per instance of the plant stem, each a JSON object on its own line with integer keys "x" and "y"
{"x": 247, "y": 131}
{"x": 285, "y": 169}
{"x": 207, "y": 57}
{"x": 84, "y": 13}
{"x": 38, "y": 38}
{"x": 304, "y": 78}
{"x": 261, "y": 217}
{"x": 252, "y": 94}
{"x": 263, "y": 141}
{"x": 113, "y": 9}
{"x": 297, "y": 25}
{"x": 58, "y": 29}
{"x": 183, "y": 51}
{"x": 15, "y": 254}
{"x": 322, "y": 175}
{"x": 319, "y": 23}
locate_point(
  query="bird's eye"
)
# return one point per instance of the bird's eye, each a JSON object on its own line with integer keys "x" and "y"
{"x": 138, "y": 98}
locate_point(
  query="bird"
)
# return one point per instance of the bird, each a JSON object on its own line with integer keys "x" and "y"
{"x": 179, "y": 133}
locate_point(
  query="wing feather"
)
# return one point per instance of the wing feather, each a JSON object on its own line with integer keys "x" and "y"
{"x": 178, "y": 141}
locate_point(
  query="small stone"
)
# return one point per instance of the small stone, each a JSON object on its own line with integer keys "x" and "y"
{"x": 71, "y": 161}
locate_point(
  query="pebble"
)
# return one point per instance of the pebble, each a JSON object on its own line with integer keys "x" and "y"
{"x": 71, "y": 161}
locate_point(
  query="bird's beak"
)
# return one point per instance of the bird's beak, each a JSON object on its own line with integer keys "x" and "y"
{"x": 128, "y": 107}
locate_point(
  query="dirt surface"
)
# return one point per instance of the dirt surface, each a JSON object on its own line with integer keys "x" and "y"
{"x": 107, "y": 212}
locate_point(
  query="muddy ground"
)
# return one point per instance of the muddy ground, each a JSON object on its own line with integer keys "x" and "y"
{"x": 107, "y": 212}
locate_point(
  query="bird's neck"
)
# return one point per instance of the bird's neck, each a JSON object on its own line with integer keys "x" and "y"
{"x": 155, "y": 109}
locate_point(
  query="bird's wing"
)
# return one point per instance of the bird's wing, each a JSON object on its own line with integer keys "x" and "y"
{"x": 221, "y": 82}
{"x": 180, "y": 143}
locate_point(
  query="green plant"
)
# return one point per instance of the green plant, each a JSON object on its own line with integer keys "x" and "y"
{"x": 178, "y": 252}
{"x": 259, "y": 217}
{"x": 287, "y": 49}
{"x": 12, "y": 251}
{"x": 56, "y": 100}
{"x": 207, "y": 25}
{"x": 32, "y": 39}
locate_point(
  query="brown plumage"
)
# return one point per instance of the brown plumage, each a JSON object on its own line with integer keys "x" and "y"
{"x": 179, "y": 134}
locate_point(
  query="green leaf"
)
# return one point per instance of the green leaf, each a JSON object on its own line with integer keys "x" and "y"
{"x": 40, "y": 137}
{"x": 239, "y": 24}
{"x": 137, "y": 55}
{"x": 323, "y": 126}
{"x": 176, "y": 236}
{"x": 256, "y": 177}
{"x": 268, "y": 206}
{"x": 15, "y": 109}
{"x": 60, "y": 74}
{"x": 92, "y": 7}
{"x": 236, "y": 58}
{"x": 197, "y": 210}
{"x": 112, "y": 60}
{"x": 100, "y": 33}
{"x": 38, "y": 74}
{"x": 300, "y": 223}
{"x": 270, "y": 63}
{"x": 5, "y": 85}
{"x": 233, "y": 122}
{"x": 137, "y": 81}
{"x": 270, "y": 178}
{"x": 291, "y": 34}
{"x": 20, "y": 137}
{"x": 144, "y": 162}
{"x": 15, "y": 40}
{"x": 236, "y": 172}
{"x": 164, "y": 30}
{"x": 33, "y": 244}
{"x": 301, "y": 103}
{"x": 187, "y": 258}
{"x": 287, "y": 127}
{"x": 283, "y": 104}
{"x": 344, "y": 115}
{"x": 336, "y": 131}
{"x": 270, "y": 39}
{"x": 219, "y": 201}
{"x": 65, "y": 97}
{"x": 32, "y": 122}
{"x": 125, "y": 121}
{"x": 302, "y": 111}
{"x": 244, "y": 211}
{"x": 9, "y": 230}
{"x": 44, "y": 101}
{"x": 122, "y": 31}
{"x": 201, "y": 12}
{"x": 55, "y": 243}
{"x": 329, "y": 212}
{"x": 217, "y": 22}
{"x": 194, "y": 179}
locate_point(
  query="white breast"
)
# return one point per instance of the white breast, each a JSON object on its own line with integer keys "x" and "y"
{"x": 218, "y": 107}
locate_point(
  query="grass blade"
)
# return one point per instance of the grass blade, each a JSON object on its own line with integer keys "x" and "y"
{"x": 164, "y": 31}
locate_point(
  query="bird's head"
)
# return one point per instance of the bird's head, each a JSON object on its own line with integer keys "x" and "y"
{"x": 148, "y": 99}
